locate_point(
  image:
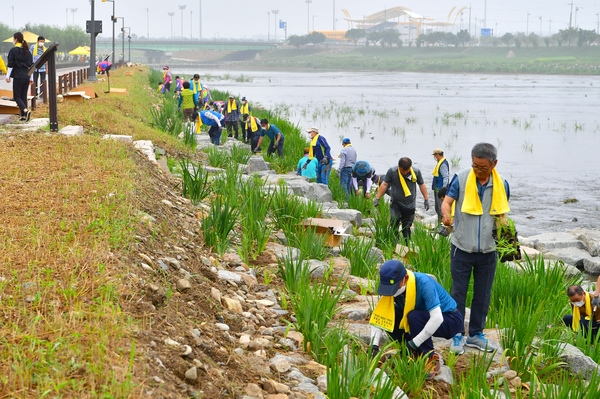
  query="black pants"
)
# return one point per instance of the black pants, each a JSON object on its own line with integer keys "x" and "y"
{"x": 232, "y": 125}
{"x": 404, "y": 216}
{"x": 254, "y": 140}
{"x": 276, "y": 147}
{"x": 584, "y": 324}
{"x": 37, "y": 75}
{"x": 20, "y": 86}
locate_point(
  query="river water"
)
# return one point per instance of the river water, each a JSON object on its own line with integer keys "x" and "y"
{"x": 546, "y": 128}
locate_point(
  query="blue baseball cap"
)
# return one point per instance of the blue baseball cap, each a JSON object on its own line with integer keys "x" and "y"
{"x": 391, "y": 274}
{"x": 346, "y": 140}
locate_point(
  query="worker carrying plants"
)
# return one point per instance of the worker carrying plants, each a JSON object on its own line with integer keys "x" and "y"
{"x": 413, "y": 308}
{"x": 585, "y": 309}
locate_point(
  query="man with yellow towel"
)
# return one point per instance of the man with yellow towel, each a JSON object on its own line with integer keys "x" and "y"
{"x": 481, "y": 196}
{"x": 403, "y": 181}
{"x": 413, "y": 308}
{"x": 585, "y": 309}
{"x": 441, "y": 178}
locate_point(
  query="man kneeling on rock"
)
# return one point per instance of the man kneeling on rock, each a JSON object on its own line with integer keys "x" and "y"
{"x": 413, "y": 308}
{"x": 586, "y": 312}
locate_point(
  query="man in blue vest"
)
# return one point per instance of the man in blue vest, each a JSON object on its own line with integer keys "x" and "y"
{"x": 40, "y": 73}
{"x": 441, "y": 178}
{"x": 213, "y": 119}
{"x": 319, "y": 148}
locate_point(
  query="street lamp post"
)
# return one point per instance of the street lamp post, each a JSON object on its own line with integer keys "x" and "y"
{"x": 269, "y": 26}
{"x": 333, "y": 14}
{"x": 67, "y": 17}
{"x": 200, "y": 18}
{"x": 114, "y": 21}
{"x": 171, "y": 15}
{"x": 148, "y": 23}
{"x": 527, "y": 34}
{"x": 540, "y": 26}
{"x": 74, "y": 10}
{"x": 191, "y": 24}
{"x": 275, "y": 12}
{"x": 92, "y": 72}
{"x": 128, "y": 44}
{"x": 575, "y": 23}
{"x": 123, "y": 40}
{"x": 308, "y": 15}
{"x": 597, "y": 23}
{"x": 182, "y": 8}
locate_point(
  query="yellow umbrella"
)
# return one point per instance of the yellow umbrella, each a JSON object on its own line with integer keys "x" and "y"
{"x": 29, "y": 37}
{"x": 79, "y": 51}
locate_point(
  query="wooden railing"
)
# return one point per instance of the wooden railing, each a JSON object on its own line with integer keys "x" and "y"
{"x": 66, "y": 82}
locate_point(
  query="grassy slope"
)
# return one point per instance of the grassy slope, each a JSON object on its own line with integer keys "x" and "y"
{"x": 76, "y": 322}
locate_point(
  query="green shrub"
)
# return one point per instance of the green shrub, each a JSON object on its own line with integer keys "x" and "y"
{"x": 195, "y": 184}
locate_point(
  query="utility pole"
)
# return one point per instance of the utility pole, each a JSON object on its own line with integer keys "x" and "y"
{"x": 191, "y": 24}
{"x": 275, "y": 12}
{"x": 67, "y": 17}
{"x": 540, "y": 26}
{"x": 148, "y": 23}
{"x": 269, "y": 26}
{"x": 550, "y": 27}
{"x": 527, "y": 34}
{"x": 571, "y": 15}
{"x": 182, "y": 8}
{"x": 597, "y": 23}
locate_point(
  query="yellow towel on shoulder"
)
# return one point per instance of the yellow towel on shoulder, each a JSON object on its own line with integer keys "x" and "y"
{"x": 472, "y": 204}
{"x": 313, "y": 144}
{"x": 413, "y": 178}
{"x": 383, "y": 315}
{"x": 411, "y": 300}
{"x": 436, "y": 170}
{"x": 577, "y": 313}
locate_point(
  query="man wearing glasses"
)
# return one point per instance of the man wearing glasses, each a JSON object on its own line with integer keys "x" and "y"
{"x": 480, "y": 195}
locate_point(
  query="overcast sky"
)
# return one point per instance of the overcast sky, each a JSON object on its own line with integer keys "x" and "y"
{"x": 250, "y": 18}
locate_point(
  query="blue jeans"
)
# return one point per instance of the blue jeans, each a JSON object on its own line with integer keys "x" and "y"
{"x": 323, "y": 172}
{"x": 483, "y": 268}
{"x": 346, "y": 180}
{"x": 453, "y": 323}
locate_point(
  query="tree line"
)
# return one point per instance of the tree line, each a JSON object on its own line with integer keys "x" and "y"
{"x": 390, "y": 37}
{"x": 68, "y": 37}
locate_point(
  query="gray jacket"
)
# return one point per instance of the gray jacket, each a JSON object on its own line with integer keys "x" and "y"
{"x": 473, "y": 233}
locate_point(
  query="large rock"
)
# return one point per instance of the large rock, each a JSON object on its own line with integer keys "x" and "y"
{"x": 571, "y": 256}
{"x": 592, "y": 265}
{"x": 257, "y": 164}
{"x": 71, "y": 131}
{"x": 147, "y": 148}
{"x": 547, "y": 241}
{"x": 312, "y": 191}
{"x": 282, "y": 252}
{"x": 317, "y": 268}
{"x": 591, "y": 239}
{"x": 349, "y": 215}
{"x": 578, "y": 362}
